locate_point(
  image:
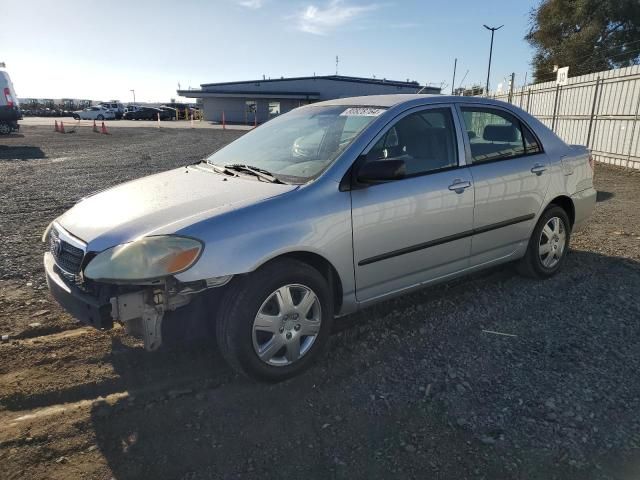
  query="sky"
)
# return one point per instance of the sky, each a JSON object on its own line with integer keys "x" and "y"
{"x": 101, "y": 50}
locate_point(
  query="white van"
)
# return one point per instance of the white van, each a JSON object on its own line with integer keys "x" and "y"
{"x": 9, "y": 106}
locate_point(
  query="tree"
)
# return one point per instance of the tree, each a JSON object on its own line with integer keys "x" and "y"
{"x": 585, "y": 35}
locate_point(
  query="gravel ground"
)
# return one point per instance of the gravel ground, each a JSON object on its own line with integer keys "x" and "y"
{"x": 417, "y": 387}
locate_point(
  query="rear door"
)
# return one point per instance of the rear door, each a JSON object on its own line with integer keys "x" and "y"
{"x": 409, "y": 231}
{"x": 511, "y": 176}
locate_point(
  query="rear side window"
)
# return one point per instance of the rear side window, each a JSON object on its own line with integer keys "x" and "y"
{"x": 497, "y": 135}
{"x": 426, "y": 141}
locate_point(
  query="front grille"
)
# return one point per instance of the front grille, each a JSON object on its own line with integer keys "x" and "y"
{"x": 68, "y": 257}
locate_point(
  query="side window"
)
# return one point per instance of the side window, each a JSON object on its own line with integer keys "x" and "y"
{"x": 425, "y": 140}
{"x": 497, "y": 135}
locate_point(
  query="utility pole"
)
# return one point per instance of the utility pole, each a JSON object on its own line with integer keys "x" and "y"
{"x": 493, "y": 30}
{"x": 453, "y": 83}
{"x": 134, "y": 96}
{"x": 511, "y": 86}
{"x": 337, "y": 61}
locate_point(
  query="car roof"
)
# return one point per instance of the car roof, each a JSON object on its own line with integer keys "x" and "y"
{"x": 405, "y": 98}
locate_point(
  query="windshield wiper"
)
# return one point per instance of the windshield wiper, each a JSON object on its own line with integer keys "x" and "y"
{"x": 258, "y": 172}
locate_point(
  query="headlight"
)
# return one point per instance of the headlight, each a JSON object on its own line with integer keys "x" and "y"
{"x": 145, "y": 259}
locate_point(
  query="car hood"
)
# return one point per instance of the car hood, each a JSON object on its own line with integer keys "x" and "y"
{"x": 161, "y": 204}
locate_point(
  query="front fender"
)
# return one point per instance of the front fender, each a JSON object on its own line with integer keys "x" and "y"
{"x": 315, "y": 219}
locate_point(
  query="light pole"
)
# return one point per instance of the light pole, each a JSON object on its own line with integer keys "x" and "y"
{"x": 134, "y": 96}
{"x": 493, "y": 30}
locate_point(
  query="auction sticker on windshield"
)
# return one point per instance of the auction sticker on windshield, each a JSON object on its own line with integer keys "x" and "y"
{"x": 362, "y": 112}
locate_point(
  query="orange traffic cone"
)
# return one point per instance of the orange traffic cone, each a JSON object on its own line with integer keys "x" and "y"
{"x": 95, "y": 127}
{"x": 61, "y": 127}
{"x": 104, "y": 129}
{"x": 56, "y": 127}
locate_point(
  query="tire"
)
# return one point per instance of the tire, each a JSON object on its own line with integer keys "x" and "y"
{"x": 283, "y": 332}
{"x": 535, "y": 263}
{"x": 100, "y": 117}
{"x": 5, "y": 128}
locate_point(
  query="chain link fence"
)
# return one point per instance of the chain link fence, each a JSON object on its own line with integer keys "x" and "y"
{"x": 600, "y": 110}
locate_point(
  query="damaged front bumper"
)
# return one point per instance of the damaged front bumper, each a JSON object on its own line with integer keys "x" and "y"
{"x": 141, "y": 309}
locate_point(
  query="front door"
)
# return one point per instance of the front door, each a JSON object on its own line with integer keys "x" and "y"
{"x": 418, "y": 228}
{"x": 511, "y": 176}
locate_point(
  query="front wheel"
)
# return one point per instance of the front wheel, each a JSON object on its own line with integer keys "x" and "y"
{"x": 548, "y": 245}
{"x": 274, "y": 323}
{"x": 100, "y": 117}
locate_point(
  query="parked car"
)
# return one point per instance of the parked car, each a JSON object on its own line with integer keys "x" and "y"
{"x": 9, "y": 105}
{"x": 143, "y": 113}
{"x": 269, "y": 244}
{"x": 167, "y": 113}
{"x": 117, "y": 107}
{"x": 94, "y": 113}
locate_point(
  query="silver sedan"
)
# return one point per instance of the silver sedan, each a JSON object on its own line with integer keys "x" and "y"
{"x": 316, "y": 214}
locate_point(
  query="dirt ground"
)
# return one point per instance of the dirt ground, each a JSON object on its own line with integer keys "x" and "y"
{"x": 418, "y": 387}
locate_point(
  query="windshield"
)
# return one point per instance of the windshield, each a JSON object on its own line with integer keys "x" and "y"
{"x": 299, "y": 145}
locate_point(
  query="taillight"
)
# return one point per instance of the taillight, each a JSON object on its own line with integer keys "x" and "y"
{"x": 8, "y": 97}
{"x": 591, "y": 161}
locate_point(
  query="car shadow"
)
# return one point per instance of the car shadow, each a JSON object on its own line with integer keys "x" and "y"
{"x": 359, "y": 413}
{"x": 604, "y": 196}
{"x": 21, "y": 152}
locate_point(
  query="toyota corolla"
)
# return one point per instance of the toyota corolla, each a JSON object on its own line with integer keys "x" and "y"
{"x": 320, "y": 212}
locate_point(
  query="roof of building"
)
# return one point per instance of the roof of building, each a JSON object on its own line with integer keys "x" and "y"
{"x": 245, "y": 93}
{"x": 400, "y": 98}
{"x": 340, "y": 78}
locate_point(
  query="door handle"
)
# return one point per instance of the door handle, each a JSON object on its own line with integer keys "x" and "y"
{"x": 459, "y": 186}
{"x": 538, "y": 168}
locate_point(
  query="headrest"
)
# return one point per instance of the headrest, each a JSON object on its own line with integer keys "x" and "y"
{"x": 500, "y": 133}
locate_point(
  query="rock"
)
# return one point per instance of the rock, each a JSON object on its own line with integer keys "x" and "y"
{"x": 461, "y": 422}
{"x": 460, "y": 388}
{"x": 550, "y": 404}
{"x": 410, "y": 448}
{"x": 62, "y": 460}
{"x": 39, "y": 313}
{"x": 35, "y": 324}
{"x": 487, "y": 440}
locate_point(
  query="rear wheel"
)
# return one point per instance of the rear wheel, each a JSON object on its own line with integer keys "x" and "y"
{"x": 5, "y": 128}
{"x": 548, "y": 245}
{"x": 100, "y": 117}
{"x": 274, "y": 323}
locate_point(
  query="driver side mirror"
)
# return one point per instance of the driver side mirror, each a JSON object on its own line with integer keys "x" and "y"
{"x": 381, "y": 171}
